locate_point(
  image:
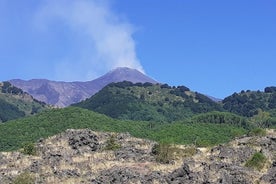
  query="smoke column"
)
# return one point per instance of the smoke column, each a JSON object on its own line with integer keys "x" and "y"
{"x": 110, "y": 38}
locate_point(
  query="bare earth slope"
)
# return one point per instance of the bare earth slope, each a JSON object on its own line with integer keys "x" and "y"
{"x": 84, "y": 156}
{"x": 63, "y": 94}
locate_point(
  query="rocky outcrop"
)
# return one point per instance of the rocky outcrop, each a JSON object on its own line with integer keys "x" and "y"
{"x": 83, "y": 141}
{"x": 270, "y": 177}
{"x": 182, "y": 175}
{"x": 85, "y": 156}
{"x": 119, "y": 175}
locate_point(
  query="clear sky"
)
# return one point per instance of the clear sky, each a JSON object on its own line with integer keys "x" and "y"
{"x": 216, "y": 47}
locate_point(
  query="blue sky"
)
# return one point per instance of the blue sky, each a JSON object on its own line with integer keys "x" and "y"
{"x": 214, "y": 47}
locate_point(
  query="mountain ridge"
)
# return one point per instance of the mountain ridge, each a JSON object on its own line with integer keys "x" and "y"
{"x": 155, "y": 102}
{"x": 14, "y": 103}
{"x": 62, "y": 94}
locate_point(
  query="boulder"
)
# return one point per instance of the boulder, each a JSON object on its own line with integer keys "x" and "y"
{"x": 83, "y": 140}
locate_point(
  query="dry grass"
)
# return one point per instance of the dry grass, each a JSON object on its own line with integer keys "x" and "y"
{"x": 166, "y": 168}
{"x": 270, "y": 132}
{"x": 95, "y": 162}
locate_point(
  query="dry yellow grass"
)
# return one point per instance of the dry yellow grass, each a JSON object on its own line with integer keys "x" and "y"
{"x": 165, "y": 167}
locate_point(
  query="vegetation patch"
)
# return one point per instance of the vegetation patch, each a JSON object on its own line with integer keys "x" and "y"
{"x": 222, "y": 118}
{"x": 14, "y": 103}
{"x": 166, "y": 153}
{"x": 148, "y": 102}
{"x": 24, "y": 178}
{"x": 257, "y": 161}
{"x": 257, "y": 132}
{"x": 162, "y": 152}
{"x": 29, "y": 149}
{"x": 199, "y": 134}
{"x": 48, "y": 123}
{"x": 112, "y": 144}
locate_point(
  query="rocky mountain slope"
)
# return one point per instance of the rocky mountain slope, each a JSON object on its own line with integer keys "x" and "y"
{"x": 65, "y": 93}
{"x": 14, "y": 103}
{"x": 85, "y": 156}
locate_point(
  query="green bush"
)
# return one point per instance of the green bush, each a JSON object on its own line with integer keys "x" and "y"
{"x": 111, "y": 143}
{"x": 29, "y": 149}
{"x": 257, "y": 132}
{"x": 162, "y": 153}
{"x": 165, "y": 152}
{"x": 257, "y": 161}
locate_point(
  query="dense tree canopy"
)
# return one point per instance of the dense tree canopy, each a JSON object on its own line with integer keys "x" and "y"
{"x": 159, "y": 102}
{"x": 248, "y": 103}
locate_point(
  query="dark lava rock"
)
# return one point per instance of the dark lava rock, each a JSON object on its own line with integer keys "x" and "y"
{"x": 217, "y": 166}
{"x": 83, "y": 140}
{"x": 35, "y": 167}
{"x": 182, "y": 175}
{"x": 67, "y": 173}
{"x": 154, "y": 177}
{"x": 235, "y": 175}
{"x": 238, "y": 156}
{"x": 122, "y": 136}
{"x": 119, "y": 175}
{"x": 131, "y": 153}
{"x": 52, "y": 158}
{"x": 270, "y": 177}
{"x": 267, "y": 143}
{"x": 2, "y": 160}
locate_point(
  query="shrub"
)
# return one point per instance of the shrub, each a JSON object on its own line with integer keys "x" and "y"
{"x": 29, "y": 149}
{"x": 111, "y": 143}
{"x": 162, "y": 152}
{"x": 165, "y": 153}
{"x": 186, "y": 152}
{"x": 257, "y": 132}
{"x": 257, "y": 161}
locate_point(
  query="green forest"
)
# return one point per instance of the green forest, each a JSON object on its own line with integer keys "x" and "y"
{"x": 16, "y": 133}
{"x": 163, "y": 103}
{"x": 148, "y": 102}
{"x": 157, "y": 112}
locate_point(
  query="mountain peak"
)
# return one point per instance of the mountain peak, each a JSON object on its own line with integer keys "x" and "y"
{"x": 126, "y": 74}
{"x": 125, "y": 70}
{"x": 66, "y": 93}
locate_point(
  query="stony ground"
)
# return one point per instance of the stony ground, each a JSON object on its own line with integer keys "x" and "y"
{"x": 84, "y": 156}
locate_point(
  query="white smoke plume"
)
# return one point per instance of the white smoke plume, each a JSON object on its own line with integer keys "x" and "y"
{"x": 108, "y": 39}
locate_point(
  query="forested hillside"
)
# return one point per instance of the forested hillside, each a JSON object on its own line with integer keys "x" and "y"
{"x": 14, "y": 134}
{"x": 163, "y": 103}
{"x": 253, "y": 103}
{"x": 149, "y": 102}
{"x": 14, "y": 103}
{"x": 154, "y": 111}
